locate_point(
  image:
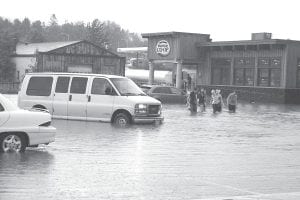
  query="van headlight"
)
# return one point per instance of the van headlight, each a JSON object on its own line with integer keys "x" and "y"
{"x": 140, "y": 109}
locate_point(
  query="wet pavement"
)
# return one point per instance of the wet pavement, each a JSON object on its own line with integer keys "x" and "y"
{"x": 251, "y": 154}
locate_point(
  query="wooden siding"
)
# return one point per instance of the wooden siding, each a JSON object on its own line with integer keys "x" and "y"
{"x": 82, "y": 48}
{"x": 188, "y": 49}
{"x": 81, "y": 54}
{"x": 183, "y": 47}
{"x": 59, "y": 63}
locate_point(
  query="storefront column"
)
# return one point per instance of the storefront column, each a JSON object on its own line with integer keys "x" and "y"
{"x": 255, "y": 78}
{"x": 151, "y": 72}
{"x": 179, "y": 75}
{"x": 232, "y": 71}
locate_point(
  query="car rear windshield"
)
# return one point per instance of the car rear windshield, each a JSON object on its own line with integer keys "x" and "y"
{"x": 39, "y": 86}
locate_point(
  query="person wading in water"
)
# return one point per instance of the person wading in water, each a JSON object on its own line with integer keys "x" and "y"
{"x": 201, "y": 99}
{"x": 232, "y": 101}
{"x": 193, "y": 101}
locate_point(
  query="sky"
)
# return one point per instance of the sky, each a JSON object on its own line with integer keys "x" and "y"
{"x": 224, "y": 20}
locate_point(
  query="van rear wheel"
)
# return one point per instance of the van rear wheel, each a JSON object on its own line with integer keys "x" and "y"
{"x": 121, "y": 119}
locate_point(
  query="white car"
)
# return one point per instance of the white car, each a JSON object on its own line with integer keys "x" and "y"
{"x": 22, "y": 128}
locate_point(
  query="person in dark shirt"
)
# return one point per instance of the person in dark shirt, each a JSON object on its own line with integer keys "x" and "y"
{"x": 201, "y": 99}
{"x": 193, "y": 101}
{"x": 189, "y": 81}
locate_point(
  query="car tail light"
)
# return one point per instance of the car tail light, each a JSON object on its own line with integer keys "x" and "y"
{"x": 46, "y": 124}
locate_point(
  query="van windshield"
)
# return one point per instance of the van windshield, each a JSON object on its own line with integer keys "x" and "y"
{"x": 127, "y": 87}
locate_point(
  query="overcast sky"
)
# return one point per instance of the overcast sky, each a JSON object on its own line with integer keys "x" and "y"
{"x": 223, "y": 19}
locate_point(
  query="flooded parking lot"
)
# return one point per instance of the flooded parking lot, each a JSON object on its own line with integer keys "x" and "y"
{"x": 251, "y": 154}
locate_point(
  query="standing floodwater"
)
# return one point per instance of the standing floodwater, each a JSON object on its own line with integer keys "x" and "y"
{"x": 250, "y": 154}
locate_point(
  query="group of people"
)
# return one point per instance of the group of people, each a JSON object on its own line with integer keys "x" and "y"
{"x": 199, "y": 98}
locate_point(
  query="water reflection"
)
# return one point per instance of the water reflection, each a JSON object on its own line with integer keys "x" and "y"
{"x": 37, "y": 158}
{"x": 24, "y": 175}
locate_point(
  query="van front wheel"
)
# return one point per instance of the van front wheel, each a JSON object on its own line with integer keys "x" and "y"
{"x": 121, "y": 119}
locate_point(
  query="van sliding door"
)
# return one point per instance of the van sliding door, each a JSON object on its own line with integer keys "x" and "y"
{"x": 61, "y": 97}
{"x": 78, "y": 98}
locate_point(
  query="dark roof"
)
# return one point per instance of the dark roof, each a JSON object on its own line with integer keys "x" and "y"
{"x": 172, "y": 33}
{"x": 245, "y": 42}
{"x": 32, "y": 48}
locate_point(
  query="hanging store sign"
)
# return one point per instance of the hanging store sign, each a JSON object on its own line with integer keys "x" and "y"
{"x": 163, "y": 48}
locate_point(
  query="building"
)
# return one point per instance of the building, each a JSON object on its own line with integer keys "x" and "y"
{"x": 69, "y": 56}
{"x": 261, "y": 69}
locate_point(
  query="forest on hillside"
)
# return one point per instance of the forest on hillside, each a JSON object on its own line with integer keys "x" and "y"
{"x": 106, "y": 34}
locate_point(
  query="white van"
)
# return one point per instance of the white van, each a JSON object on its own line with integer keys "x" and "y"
{"x": 92, "y": 97}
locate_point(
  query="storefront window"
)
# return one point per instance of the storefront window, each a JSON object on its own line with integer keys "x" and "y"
{"x": 263, "y": 77}
{"x": 221, "y": 62}
{"x": 275, "y": 62}
{"x": 244, "y": 62}
{"x": 263, "y": 62}
{"x": 239, "y": 76}
{"x": 244, "y": 71}
{"x": 249, "y": 77}
{"x": 221, "y": 71}
{"x": 275, "y": 76}
{"x": 269, "y": 72}
{"x": 244, "y": 77}
{"x": 225, "y": 76}
{"x": 298, "y": 73}
{"x": 216, "y": 76}
{"x": 298, "y": 78}
{"x": 269, "y": 77}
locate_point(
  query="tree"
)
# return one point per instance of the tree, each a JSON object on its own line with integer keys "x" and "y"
{"x": 53, "y": 20}
{"x": 7, "y": 68}
{"x": 36, "y": 33}
{"x": 96, "y": 34}
{"x": 53, "y": 31}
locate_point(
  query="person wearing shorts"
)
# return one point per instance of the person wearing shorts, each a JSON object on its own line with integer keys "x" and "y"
{"x": 232, "y": 101}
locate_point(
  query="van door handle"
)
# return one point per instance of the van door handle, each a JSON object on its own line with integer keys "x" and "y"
{"x": 89, "y": 98}
{"x": 70, "y": 97}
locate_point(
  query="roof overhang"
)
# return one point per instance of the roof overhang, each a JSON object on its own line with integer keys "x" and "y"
{"x": 133, "y": 50}
{"x": 243, "y": 43}
{"x": 172, "y": 34}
